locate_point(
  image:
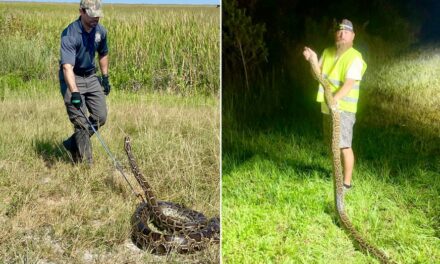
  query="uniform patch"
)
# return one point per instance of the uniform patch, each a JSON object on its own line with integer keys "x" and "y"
{"x": 97, "y": 37}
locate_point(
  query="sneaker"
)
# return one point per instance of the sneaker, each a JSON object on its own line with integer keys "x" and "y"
{"x": 346, "y": 188}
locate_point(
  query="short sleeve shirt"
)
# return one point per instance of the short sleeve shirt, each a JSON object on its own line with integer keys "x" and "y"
{"x": 355, "y": 70}
{"x": 78, "y": 47}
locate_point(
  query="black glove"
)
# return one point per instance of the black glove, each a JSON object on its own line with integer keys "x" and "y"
{"x": 76, "y": 100}
{"x": 106, "y": 84}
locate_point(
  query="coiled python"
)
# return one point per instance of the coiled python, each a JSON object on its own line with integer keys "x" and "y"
{"x": 337, "y": 170}
{"x": 186, "y": 230}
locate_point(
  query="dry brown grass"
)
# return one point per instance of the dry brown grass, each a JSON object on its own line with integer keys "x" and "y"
{"x": 53, "y": 212}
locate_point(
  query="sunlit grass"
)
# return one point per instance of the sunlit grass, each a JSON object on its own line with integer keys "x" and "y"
{"x": 278, "y": 203}
{"x": 164, "y": 68}
{"x": 277, "y": 187}
{"x": 404, "y": 90}
{"x": 173, "y": 49}
{"x": 53, "y": 211}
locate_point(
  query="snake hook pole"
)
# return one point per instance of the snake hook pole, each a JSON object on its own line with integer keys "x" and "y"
{"x": 109, "y": 153}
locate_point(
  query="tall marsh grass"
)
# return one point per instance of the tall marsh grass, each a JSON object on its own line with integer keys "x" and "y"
{"x": 154, "y": 48}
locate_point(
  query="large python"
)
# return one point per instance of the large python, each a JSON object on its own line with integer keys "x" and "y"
{"x": 337, "y": 169}
{"x": 186, "y": 230}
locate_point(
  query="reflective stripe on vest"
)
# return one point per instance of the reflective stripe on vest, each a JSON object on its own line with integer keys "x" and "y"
{"x": 345, "y": 98}
{"x": 337, "y": 83}
{"x": 335, "y": 70}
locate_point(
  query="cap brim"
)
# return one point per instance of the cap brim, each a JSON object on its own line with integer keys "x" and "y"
{"x": 94, "y": 13}
{"x": 345, "y": 27}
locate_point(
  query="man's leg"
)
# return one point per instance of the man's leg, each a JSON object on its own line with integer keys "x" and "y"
{"x": 82, "y": 138}
{"x": 70, "y": 143}
{"x": 348, "y": 159}
{"x": 96, "y": 103}
{"x": 79, "y": 142}
{"x": 347, "y": 155}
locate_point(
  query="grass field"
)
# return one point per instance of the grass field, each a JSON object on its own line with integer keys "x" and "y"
{"x": 53, "y": 212}
{"x": 154, "y": 48}
{"x": 164, "y": 70}
{"x": 277, "y": 190}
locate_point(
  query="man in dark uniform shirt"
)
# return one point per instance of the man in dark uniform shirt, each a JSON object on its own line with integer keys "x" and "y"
{"x": 80, "y": 86}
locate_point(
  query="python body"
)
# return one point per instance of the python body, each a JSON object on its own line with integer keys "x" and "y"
{"x": 186, "y": 230}
{"x": 337, "y": 170}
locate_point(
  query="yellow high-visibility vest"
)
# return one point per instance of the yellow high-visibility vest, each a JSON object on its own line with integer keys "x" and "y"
{"x": 334, "y": 70}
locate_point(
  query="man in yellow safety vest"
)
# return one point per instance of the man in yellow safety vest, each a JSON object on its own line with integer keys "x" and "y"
{"x": 343, "y": 67}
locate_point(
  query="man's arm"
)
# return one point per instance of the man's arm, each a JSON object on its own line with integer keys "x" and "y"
{"x": 353, "y": 74}
{"x": 103, "y": 64}
{"x": 69, "y": 77}
{"x": 345, "y": 89}
{"x": 312, "y": 58}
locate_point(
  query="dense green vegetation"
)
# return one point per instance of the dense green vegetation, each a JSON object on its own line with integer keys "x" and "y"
{"x": 164, "y": 71}
{"x": 153, "y": 48}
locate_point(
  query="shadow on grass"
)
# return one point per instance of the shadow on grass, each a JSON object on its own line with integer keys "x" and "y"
{"x": 272, "y": 142}
{"x": 307, "y": 169}
{"x": 381, "y": 147}
{"x": 396, "y": 151}
{"x": 330, "y": 209}
{"x": 51, "y": 152}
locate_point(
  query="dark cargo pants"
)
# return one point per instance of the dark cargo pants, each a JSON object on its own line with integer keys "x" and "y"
{"x": 94, "y": 106}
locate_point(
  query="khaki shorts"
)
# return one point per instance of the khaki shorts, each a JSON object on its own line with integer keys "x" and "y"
{"x": 347, "y": 122}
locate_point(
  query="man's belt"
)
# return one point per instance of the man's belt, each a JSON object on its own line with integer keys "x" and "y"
{"x": 84, "y": 73}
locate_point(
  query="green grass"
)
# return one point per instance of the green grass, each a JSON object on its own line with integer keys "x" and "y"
{"x": 277, "y": 189}
{"x": 404, "y": 89}
{"x": 52, "y": 211}
{"x": 153, "y": 48}
{"x": 278, "y": 204}
{"x": 164, "y": 68}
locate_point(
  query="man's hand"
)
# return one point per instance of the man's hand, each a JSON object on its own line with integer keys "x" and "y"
{"x": 76, "y": 100}
{"x": 106, "y": 84}
{"x": 335, "y": 105}
{"x": 310, "y": 55}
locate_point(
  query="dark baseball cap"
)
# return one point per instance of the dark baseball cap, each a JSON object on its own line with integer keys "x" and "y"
{"x": 345, "y": 24}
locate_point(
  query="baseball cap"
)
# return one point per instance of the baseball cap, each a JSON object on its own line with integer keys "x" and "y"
{"x": 93, "y": 7}
{"x": 345, "y": 24}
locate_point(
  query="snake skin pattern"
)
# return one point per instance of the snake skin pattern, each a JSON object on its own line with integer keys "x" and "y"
{"x": 185, "y": 230}
{"x": 337, "y": 171}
